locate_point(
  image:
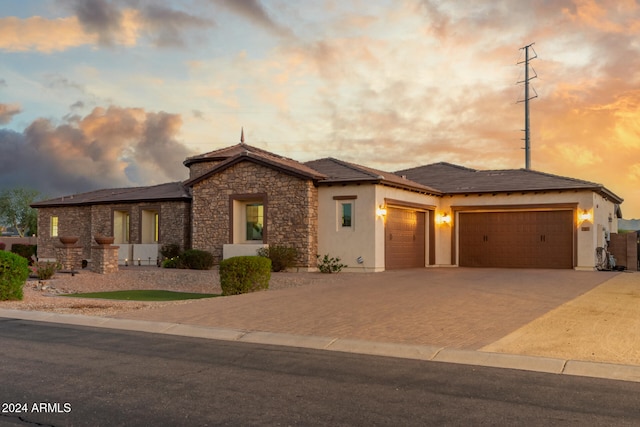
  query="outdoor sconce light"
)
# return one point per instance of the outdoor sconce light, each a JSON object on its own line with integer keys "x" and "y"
{"x": 610, "y": 218}
{"x": 585, "y": 215}
{"x": 139, "y": 262}
{"x": 381, "y": 211}
{"x": 444, "y": 218}
{"x": 126, "y": 262}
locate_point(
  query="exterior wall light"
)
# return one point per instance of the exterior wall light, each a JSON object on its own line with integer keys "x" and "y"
{"x": 444, "y": 218}
{"x": 381, "y": 211}
{"x": 585, "y": 215}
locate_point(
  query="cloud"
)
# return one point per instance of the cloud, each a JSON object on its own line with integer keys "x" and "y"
{"x": 40, "y": 34}
{"x": 110, "y": 147}
{"x": 99, "y": 22}
{"x": 7, "y": 112}
{"x": 256, "y": 13}
{"x": 100, "y": 17}
{"x": 166, "y": 26}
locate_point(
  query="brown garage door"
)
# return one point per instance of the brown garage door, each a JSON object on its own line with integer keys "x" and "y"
{"x": 404, "y": 239}
{"x": 535, "y": 239}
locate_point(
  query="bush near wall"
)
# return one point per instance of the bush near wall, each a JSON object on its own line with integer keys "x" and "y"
{"x": 14, "y": 271}
{"x": 25, "y": 251}
{"x": 244, "y": 274}
{"x": 2, "y": 246}
{"x": 282, "y": 257}
{"x": 195, "y": 259}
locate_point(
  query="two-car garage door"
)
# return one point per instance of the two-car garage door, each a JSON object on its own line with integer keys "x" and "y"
{"x": 528, "y": 239}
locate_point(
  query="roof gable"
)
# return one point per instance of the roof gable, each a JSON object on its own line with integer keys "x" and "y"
{"x": 264, "y": 158}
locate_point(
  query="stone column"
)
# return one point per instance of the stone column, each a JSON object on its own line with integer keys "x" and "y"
{"x": 69, "y": 257}
{"x": 104, "y": 259}
{"x": 69, "y": 253}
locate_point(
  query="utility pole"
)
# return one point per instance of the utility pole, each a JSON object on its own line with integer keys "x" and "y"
{"x": 527, "y": 98}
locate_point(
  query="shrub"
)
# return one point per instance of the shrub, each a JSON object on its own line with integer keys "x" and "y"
{"x": 14, "y": 271}
{"x": 2, "y": 246}
{"x": 282, "y": 257}
{"x": 45, "y": 270}
{"x": 25, "y": 251}
{"x": 170, "y": 250}
{"x": 170, "y": 263}
{"x": 327, "y": 264}
{"x": 195, "y": 259}
{"x": 244, "y": 274}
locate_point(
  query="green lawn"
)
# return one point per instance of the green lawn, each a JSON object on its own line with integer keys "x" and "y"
{"x": 143, "y": 295}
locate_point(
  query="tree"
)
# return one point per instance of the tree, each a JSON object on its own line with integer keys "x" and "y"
{"x": 15, "y": 209}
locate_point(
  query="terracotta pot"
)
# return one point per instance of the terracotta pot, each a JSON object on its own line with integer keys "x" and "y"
{"x": 68, "y": 240}
{"x": 104, "y": 240}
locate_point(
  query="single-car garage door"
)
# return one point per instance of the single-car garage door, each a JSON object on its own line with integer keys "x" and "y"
{"x": 532, "y": 239}
{"x": 404, "y": 239}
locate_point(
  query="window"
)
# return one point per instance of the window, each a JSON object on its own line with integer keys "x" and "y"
{"x": 347, "y": 211}
{"x": 254, "y": 221}
{"x": 121, "y": 226}
{"x": 54, "y": 226}
{"x": 149, "y": 226}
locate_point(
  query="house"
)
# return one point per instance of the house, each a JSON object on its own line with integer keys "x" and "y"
{"x": 240, "y": 198}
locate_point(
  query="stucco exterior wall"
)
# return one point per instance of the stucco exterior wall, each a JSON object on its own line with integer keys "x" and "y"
{"x": 291, "y": 209}
{"x": 359, "y": 240}
{"x": 578, "y": 201}
{"x": 366, "y": 238}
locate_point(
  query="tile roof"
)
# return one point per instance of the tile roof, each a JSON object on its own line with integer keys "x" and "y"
{"x": 245, "y": 152}
{"x": 338, "y": 171}
{"x": 454, "y": 179}
{"x": 162, "y": 192}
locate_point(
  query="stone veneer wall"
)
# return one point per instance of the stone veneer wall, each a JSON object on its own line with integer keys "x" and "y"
{"x": 197, "y": 169}
{"x": 72, "y": 221}
{"x": 89, "y": 221}
{"x": 175, "y": 224}
{"x": 292, "y": 209}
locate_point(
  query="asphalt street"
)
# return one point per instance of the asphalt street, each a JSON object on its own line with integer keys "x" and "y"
{"x": 54, "y": 374}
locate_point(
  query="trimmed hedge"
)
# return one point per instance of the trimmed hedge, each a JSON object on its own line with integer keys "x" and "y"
{"x": 14, "y": 271}
{"x": 195, "y": 259}
{"x": 282, "y": 257}
{"x": 244, "y": 274}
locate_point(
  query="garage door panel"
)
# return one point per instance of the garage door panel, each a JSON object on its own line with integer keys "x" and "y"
{"x": 534, "y": 239}
{"x": 404, "y": 239}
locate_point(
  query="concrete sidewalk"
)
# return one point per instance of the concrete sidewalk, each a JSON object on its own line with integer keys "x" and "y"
{"x": 442, "y": 314}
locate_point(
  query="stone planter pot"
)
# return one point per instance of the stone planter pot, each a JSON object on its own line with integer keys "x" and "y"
{"x": 68, "y": 240}
{"x": 104, "y": 240}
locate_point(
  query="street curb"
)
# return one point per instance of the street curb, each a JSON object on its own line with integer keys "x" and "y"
{"x": 405, "y": 351}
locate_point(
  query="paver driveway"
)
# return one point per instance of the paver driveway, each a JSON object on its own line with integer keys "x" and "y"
{"x": 451, "y": 307}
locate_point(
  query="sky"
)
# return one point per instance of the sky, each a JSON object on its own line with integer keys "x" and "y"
{"x": 117, "y": 93}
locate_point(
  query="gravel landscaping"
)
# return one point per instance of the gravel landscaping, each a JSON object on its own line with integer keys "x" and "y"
{"x": 43, "y": 295}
